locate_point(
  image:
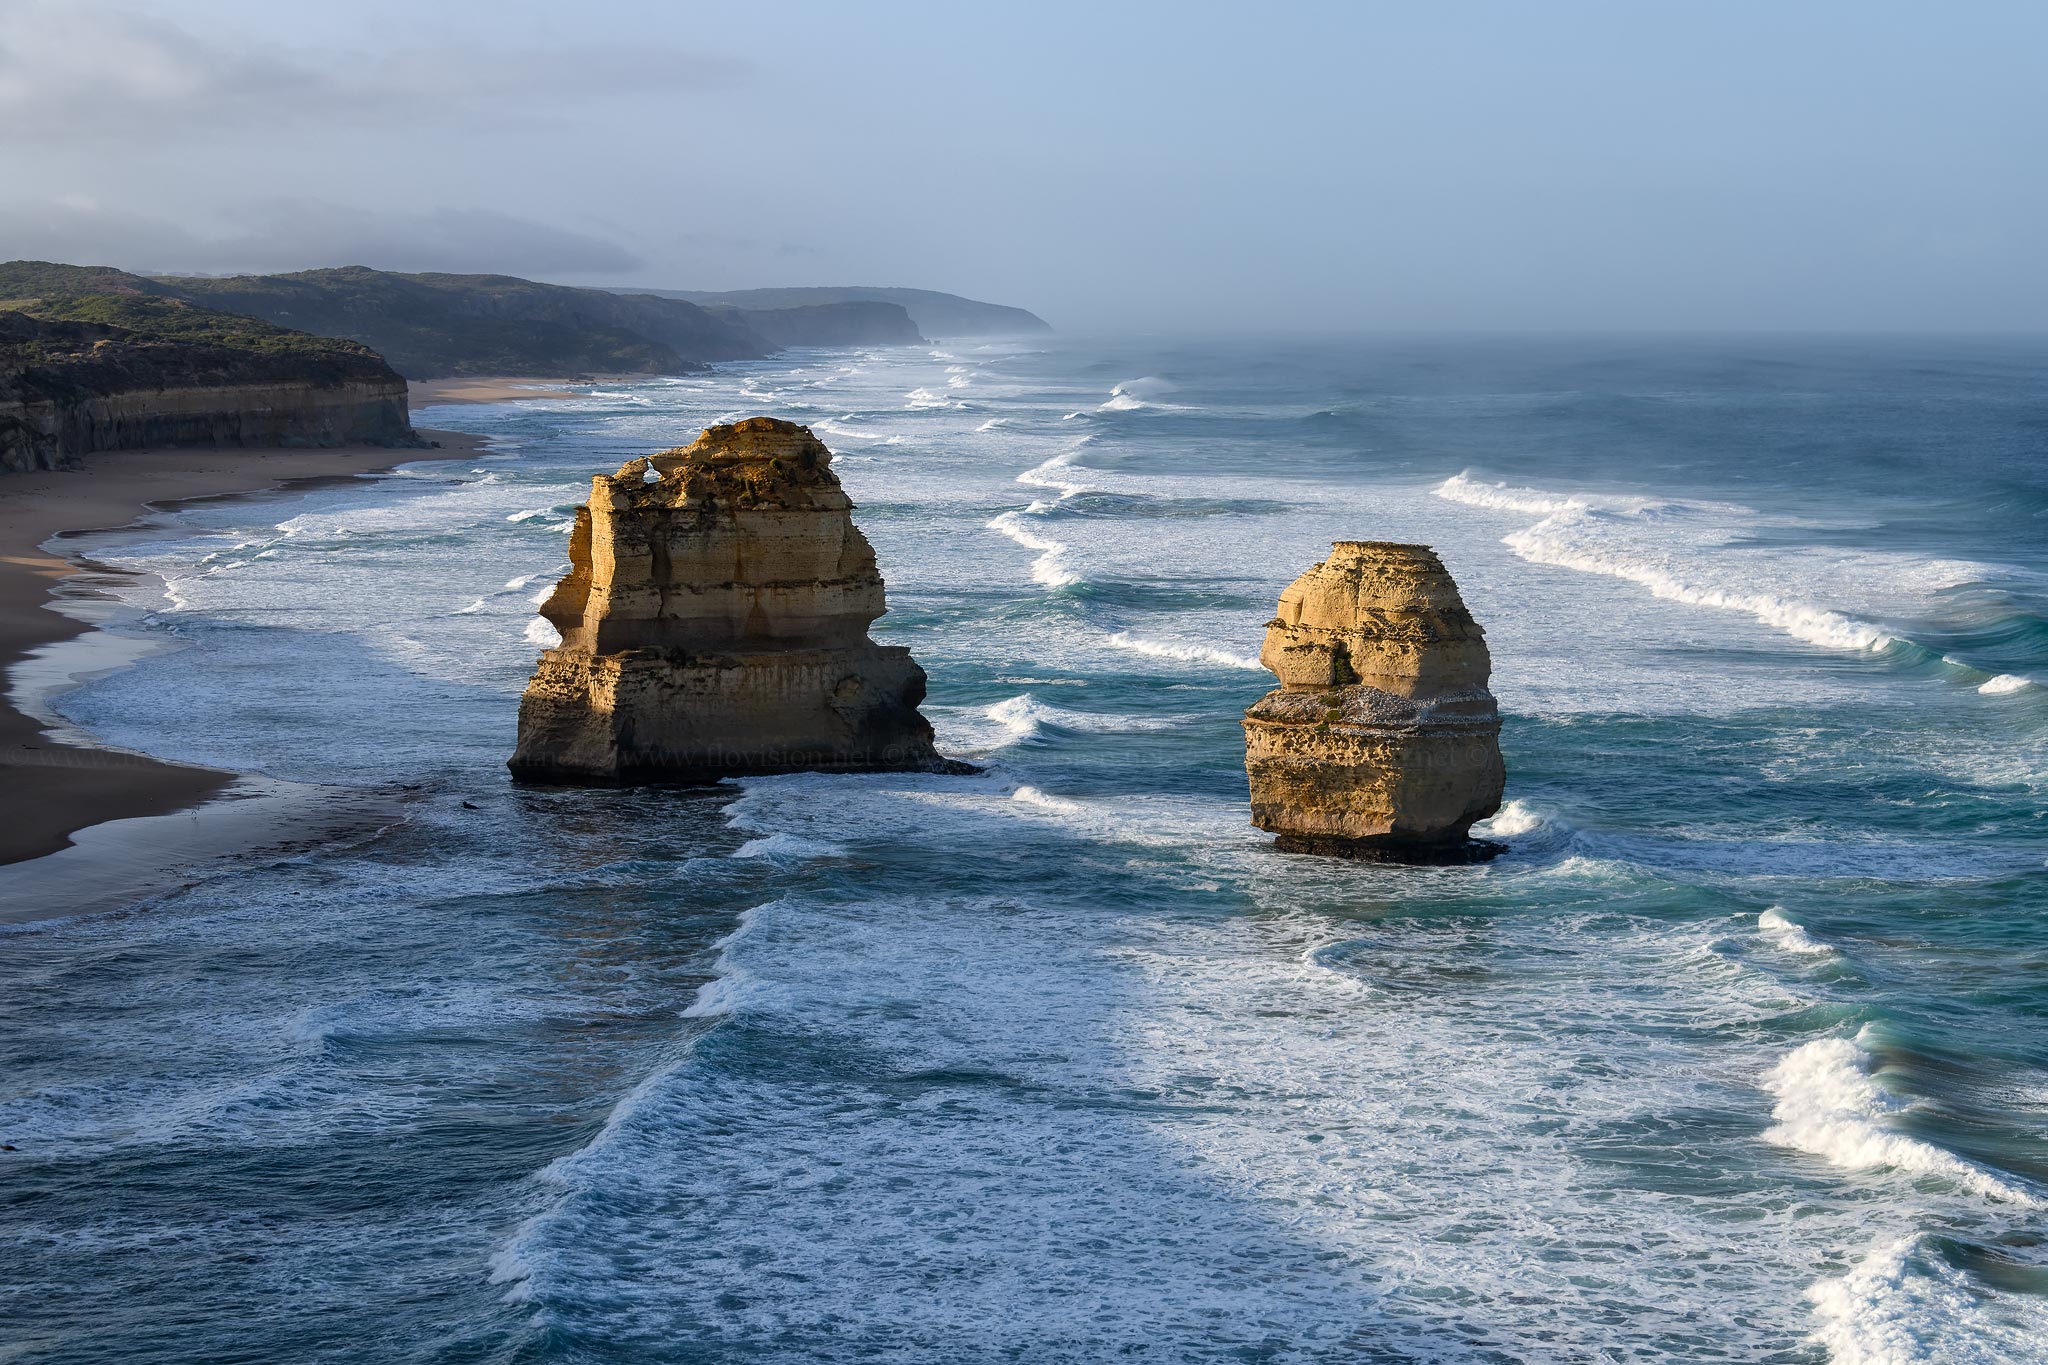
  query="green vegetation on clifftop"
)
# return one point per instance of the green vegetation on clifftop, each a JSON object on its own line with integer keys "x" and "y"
{"x": 92, "y": 359}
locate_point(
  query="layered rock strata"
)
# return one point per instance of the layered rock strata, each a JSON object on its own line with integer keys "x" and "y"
{"x": 1381, "y": 741}
{"x": 70, "y": 387}
{"x": 714, "y": 623}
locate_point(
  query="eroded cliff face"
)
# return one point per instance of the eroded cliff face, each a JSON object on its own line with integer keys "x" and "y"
{"x": 714, "y": 623}
{"x": 49, "y": 433}
{"x": 70, "y": 386}
{"x": 1381, "y": 741}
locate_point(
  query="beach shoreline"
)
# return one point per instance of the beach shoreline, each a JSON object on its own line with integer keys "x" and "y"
{"x": 56, "y": 782}
{"x": 428, "y": 393}
{"x": 86, "y": 825}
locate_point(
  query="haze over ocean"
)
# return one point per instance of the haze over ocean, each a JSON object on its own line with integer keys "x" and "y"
{"x": 1320, "y": 166}
{"x": 1736, "y": 1054}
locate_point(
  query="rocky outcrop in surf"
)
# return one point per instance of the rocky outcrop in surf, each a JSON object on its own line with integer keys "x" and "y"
{"x": 1381, "y": 741}
{"x": 714, "y": 624}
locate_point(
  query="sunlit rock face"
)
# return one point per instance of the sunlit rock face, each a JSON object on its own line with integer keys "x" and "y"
{"x": 714, "y": 623}
{"x": 1381, "y": 741}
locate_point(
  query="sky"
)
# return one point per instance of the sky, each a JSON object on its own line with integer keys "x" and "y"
{"x": 1264, "y": 166}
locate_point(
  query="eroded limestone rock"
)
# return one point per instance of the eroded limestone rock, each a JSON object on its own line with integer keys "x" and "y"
{"x": 1381, "y": 741}
{"x": 714, "y": 623}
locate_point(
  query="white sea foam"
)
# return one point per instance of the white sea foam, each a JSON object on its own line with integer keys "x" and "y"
{"x": 515, "y": 584}
{"x": 1513, "y": 818}
{"x": 2005, "y": 684}
{"x": 1022, "y": 716}
{"x": 540, "y": 632}
{"x": 1788, "y": 934}
{"x": 785, "y": 845}
{"x": 1049, "y": 474}
{"x": 1186, "y": 653}
{"x": 1473, "y": 493}
{"x": 1026, "y": 717}
{"x": 1133, "y": 394}
{"x": 1046, "y": 569}
{"x": 1829, "y": 1105}
{"x": 531, "y": 514}
{"x": 1053, "y": 475}
{"x": 732, "y": 985}
{"x": 1032, "y": 796}
{"x": 1665, "y": 546}
{"x": 1548, "y": 543}
{"x": 836, "y": 426}
{"x": 1903, "y": 1304}
{"x": 472, "y": 608}
{"x": 992, "y": 423}
{"x": 925, "y": 398}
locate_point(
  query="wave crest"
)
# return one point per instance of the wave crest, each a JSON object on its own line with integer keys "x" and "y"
{"x": 1829, "y": 1106}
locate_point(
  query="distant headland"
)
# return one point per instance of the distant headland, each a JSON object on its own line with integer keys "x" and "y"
{"x": 95, "y": 358}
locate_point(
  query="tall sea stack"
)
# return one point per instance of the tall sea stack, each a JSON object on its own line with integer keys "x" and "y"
{"x": 1381, "y": 741}
{"x": 714, "y": 624}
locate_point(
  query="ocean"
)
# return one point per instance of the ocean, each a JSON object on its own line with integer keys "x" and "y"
{"x": 1737, "y": 1054}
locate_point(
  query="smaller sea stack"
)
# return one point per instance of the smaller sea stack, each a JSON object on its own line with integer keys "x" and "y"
{"x": 1381, "y": 742}
{"x": 714, "y": 624}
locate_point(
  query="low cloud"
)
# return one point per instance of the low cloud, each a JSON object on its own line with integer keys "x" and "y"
{"x": 299, "y": 234}
{"x": 74, "y": 71}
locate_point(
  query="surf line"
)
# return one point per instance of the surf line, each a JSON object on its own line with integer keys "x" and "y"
{"x": 1048, "y": 570}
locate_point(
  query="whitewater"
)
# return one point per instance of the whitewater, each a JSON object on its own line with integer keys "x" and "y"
{"x": 1734, "y": 1055}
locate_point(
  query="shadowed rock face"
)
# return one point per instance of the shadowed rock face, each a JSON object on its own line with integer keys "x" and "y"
{"x": 1381, "y": 741}
{"x": 180, "y": 376}
{"x": 714, "y": 623}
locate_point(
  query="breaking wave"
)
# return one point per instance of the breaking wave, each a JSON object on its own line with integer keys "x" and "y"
{"x": 1027, "y": 718}
{"x": 1788, "y": 934}
{"x": 1133, "y": 394}
{"x": 1515, "y": 817}
{"x": 1607, "y": 536}
{"x": 1904, "y": 1304}
{"x": 790, "y": 846}
{"x": 1032, "y": 796}
{"x": 1047, "y": 569}
{"x": 1829, "y": 1106}
{"x": 1197, "y": 654}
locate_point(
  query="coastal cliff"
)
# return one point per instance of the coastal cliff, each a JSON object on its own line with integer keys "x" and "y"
{"x": 79, "y": 375}
{"x": 714, "y": 623}
{"x": 933, "y": 313}
{"x": 1382, "y": 741}
{"x": 438, "y": 325}
{"x": 855, "y": 322}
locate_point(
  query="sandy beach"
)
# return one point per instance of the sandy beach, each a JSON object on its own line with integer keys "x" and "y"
{"x": 495, "y": 389}
{"x": 50, "y": 789}
{"x": 85, "y": 825}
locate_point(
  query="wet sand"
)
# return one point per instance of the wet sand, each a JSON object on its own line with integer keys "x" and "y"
{"x": 54, "y": 783}
{"x": 499, "y": 389}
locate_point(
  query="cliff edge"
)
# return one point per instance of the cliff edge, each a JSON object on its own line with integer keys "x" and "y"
{"x": 85, "y": 373}
{"x": 714, "y": 624}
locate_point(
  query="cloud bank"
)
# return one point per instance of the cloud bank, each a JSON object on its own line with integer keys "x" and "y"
{"x": 84, "y": 72}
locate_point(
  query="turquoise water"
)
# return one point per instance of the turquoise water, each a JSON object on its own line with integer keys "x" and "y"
{"x": 1738, "y": 1054}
